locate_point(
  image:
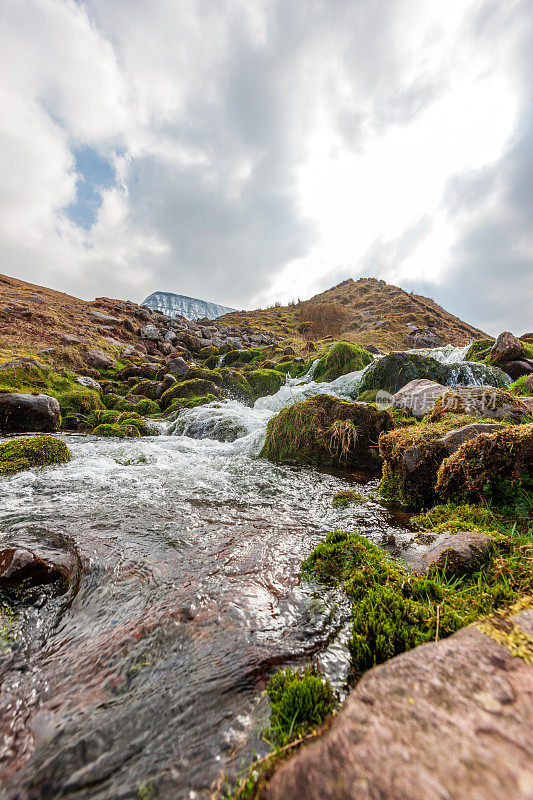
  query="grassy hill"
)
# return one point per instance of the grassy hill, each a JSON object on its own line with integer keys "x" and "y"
{"x": 370, "y": 311}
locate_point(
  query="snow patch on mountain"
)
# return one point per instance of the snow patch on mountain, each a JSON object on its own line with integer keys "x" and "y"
{"x": 188, "y": 307}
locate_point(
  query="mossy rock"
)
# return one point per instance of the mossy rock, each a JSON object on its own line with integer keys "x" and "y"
{"x": 482, "y": 402}
{"x": 81, "y": 400}
{"x": 325, "y": 431}
{"x": 208, "y": 352}
{"x": 244, "y": 356}
{"x": 139, "y": 404}
{"x": 128, "y": 420}
{"x": 265, "y": 382}
{"x": 103, "y": 416}
{"x": 341, "y": 359}
{"x": 111, "y": 399}
{"x": 36, "y": 451}
{"x": 188, "y": 402}
{"x": 369, "y": 396}
{"x": 235, "y": 386}
{"x": 493, "y": 467}
{"x": 189, "y": 388}
{"x": 392, "y": 372}
{"x": 118, "y": 431}
{"x": 479, "y": 350}
{"x": 204, "y": 374}
{"x": 146, "y": 388}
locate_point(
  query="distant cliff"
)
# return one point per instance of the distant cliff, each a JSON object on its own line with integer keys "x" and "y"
{"x": 188, "y": 307}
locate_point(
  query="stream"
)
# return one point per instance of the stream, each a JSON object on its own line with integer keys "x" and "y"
{"x": 147, "y": 678}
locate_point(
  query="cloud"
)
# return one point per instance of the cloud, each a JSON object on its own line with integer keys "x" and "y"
{"x": 249, "y": 151}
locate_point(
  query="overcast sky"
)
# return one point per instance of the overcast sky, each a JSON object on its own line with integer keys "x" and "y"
{"x": 244, "y": 151}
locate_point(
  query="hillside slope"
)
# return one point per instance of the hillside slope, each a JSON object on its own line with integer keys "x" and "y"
{"x": 375, "y": 313}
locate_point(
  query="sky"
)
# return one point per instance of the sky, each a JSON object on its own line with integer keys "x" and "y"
{"x": 252, "y": 151}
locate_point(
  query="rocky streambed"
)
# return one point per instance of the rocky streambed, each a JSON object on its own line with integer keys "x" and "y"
{"x": 145, "y": 676}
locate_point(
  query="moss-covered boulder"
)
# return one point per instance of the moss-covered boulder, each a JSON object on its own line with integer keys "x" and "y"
{"x": 482, "y": 402}
{"x": 21, "y": 412}
{"x": 479, "y": 350}
{"x": 80, "y": 400}
{"x": 235, "y": 386}
{"x": 325, "y": 431}
{"x": 412, "y": 456}
{"x": 139, "y": 404}
{"x": 147, "y": 388}
{"x": 118, "y": 431}
{"x": 188, "y": 402}
{"x": 493, "y": 466}
{"x": 245, "y": 356}
{"x": 38, "y": 451}
{"x": 201, "y": 373}
{"x": 197, "y": 387}
{"x": 523, "y": 386}
{"x": 342, "y": 358}
{"x": 394, "y": 371}
{"x": 265, "y": 382}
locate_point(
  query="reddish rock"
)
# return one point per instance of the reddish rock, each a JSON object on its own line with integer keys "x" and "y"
{"x": 515, "y": 369}
{"x": 447, "y": 721}
{"x": 507, "y": 348}
{"x": 98, "y": 359}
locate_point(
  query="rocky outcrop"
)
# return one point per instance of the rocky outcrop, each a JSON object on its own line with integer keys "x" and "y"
{"x": 483, "y": 402}
{"x": 21, "y": 413}
{"x": 418, "y": 396}
{"x": 446, "y": 721}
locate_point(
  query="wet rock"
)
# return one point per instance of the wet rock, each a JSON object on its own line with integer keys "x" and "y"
{"x": 418, "y": 396}
{"x": 105, "y": 319}
{"x": 22, "y": 413}
{"x": 39, "y": 557}
{"x": 88, "y": 382}
{"x": 98, "y": 359}
{"x": 448, "y": 720}
{"x": 456, "y": 553}
{"x": 19, "y": 567}
{"x": 325, "y": 431}
{"x": 507, "y": 348}
{"x": 164, "y": 384}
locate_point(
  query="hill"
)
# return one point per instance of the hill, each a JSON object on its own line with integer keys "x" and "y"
{"x": 184, "y": 306}
{"x": 370, "y": 311}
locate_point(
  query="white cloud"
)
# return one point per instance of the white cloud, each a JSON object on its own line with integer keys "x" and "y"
{"x": 262, "y": 148}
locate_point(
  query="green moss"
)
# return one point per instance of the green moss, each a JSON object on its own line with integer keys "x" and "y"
{"x": 369, "y": 396}
{"x": 395, "y": 370}
{"x": 265, "y": 382}
{"x": 187, "y": 389}
{"x": 80, "y": 400}
{"x": 479, "y": 350}
{"x": 497, "y": 467}
{"x": 111, "y": 399}
{"x": 129, "y": 420}
{"x": 412, "y": 456}
{"x": 101, "y": 416}
{"x": 393, "y": 612}
{"x": 343, "y": 358}
{"x": 300, "y": 700}
{"x": 325, "y": 431}
{"x": 146, "y": 388}
{"x": 188, "y": 402}
{"x": 523, "y": 386}
{"x": 145, "y": 407}
{"x": 121, "y": 431}
{"x": 36, "y": 451}
{"x": 235, "y": 386}
{"x": 346, "y": 498}
{"x": 482, "y": 402}
{"x": 244, "y": 356}
{"x": 212, "y": 375}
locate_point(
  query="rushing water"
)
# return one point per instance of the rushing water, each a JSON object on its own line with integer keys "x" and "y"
{"x": 146, "y": 680}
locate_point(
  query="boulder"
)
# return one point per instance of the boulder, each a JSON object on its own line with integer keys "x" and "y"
{"x": 105, "y": 319}
{"x": 190, "y": 341}
{"x": 98, "y": 359}
{"x": 493, "y": 466}
{"x": 456, "y": 553}
{"x": 341, "y": 359}
{"x": 325, "y": 431}
{"x": 506, "y": 348}
{"x": 422, "y": 339}
{"x": 37, "y": 557}
{"x": 17, "y": 455}
{"x": 128, "y": 325}
{"x": 483, "y": 402}
{"x": 418, "y": 396}
{"x": 515, "y": 369}
{"x": 22, "y": 413}
{"x": 177, "y": 366}
{"x": 88, "y": 382}
{"x": 453, "y": 440}
{"x": 446, "y": 721}
{"x": 150, "y": 332}
{"x": 396, "y": 370}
